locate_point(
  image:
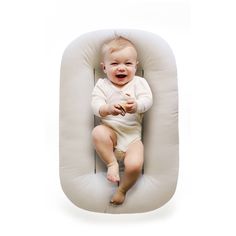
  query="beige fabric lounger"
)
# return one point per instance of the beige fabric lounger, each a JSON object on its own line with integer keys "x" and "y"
{"x": 82, "y": 174}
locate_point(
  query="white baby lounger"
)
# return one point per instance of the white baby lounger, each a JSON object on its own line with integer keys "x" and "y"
{"x": 82, "y": 174}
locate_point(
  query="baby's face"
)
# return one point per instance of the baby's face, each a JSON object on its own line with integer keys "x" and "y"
{"x": 120, "y": 66}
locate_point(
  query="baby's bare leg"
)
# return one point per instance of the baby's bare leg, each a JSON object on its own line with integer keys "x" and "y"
{"x": 104, "y": 140}
{"x": 133, "y": 167}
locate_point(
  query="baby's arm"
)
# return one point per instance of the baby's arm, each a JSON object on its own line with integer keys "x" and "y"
{"x": 98, "y": 98}
{"x": 99, "y": 104}
{"x": 143, "y": 96}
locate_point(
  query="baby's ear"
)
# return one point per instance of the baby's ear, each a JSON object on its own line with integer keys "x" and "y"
{"x": 103, "y": 67}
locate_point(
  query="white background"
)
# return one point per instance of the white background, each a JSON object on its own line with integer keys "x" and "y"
{"x": 33, "y": 37}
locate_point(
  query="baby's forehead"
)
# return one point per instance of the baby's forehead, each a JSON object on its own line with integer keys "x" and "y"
{"x": 126, "y": 52}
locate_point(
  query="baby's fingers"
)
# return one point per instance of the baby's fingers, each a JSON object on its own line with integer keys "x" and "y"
{"x": 117, "y": 106}
{"x": 121, "y": 109}
{"x": 129, "y": 105}
{"x": 118, "y": 110}
{"x": 130, "y": 101}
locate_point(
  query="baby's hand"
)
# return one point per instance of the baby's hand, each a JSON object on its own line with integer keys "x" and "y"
{"x": 115, "y": 110}
{"x": 109, "y": 109}
{"x": 131, "y": 105}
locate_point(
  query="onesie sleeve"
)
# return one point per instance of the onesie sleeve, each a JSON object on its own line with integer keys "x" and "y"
{"x": 98, "y": 97}
{"x": 143, "y": 96}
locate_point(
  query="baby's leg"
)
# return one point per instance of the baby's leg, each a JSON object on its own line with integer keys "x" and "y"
{"x": 133, "y": 167}
{"x": 104, "y": 139}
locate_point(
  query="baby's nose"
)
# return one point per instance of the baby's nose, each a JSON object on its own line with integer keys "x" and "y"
{"x": 121, "y": 68}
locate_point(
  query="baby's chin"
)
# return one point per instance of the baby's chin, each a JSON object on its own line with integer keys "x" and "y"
{"x": 120, "y": 83}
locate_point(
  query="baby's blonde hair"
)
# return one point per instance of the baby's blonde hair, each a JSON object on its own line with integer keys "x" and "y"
{"x": 116, "y": 44}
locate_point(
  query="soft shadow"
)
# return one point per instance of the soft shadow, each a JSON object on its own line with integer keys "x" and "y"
{"x": 162, "y": 213}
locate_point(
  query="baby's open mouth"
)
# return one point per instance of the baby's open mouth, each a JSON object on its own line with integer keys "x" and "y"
{"x": 121, "y": 76}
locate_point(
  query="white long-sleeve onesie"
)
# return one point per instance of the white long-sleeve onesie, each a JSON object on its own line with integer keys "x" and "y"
{"x": 127, "y": 128}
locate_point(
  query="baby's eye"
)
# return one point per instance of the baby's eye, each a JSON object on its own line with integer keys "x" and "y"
{"x": 114, "y": 63}
{"x": 129, "y": 63}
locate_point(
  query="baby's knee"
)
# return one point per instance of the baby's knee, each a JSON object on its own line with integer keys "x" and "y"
{"x": 102, "y": 133}
{"x": 97, "y": 133}
{"x": 133, "y": 167}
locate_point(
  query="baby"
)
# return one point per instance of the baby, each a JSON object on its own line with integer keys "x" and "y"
{"x": 120, "y": 101}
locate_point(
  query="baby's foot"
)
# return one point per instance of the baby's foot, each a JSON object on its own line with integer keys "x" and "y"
{"x": 118, "y": 198}
{"x": 113, "y": 172}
